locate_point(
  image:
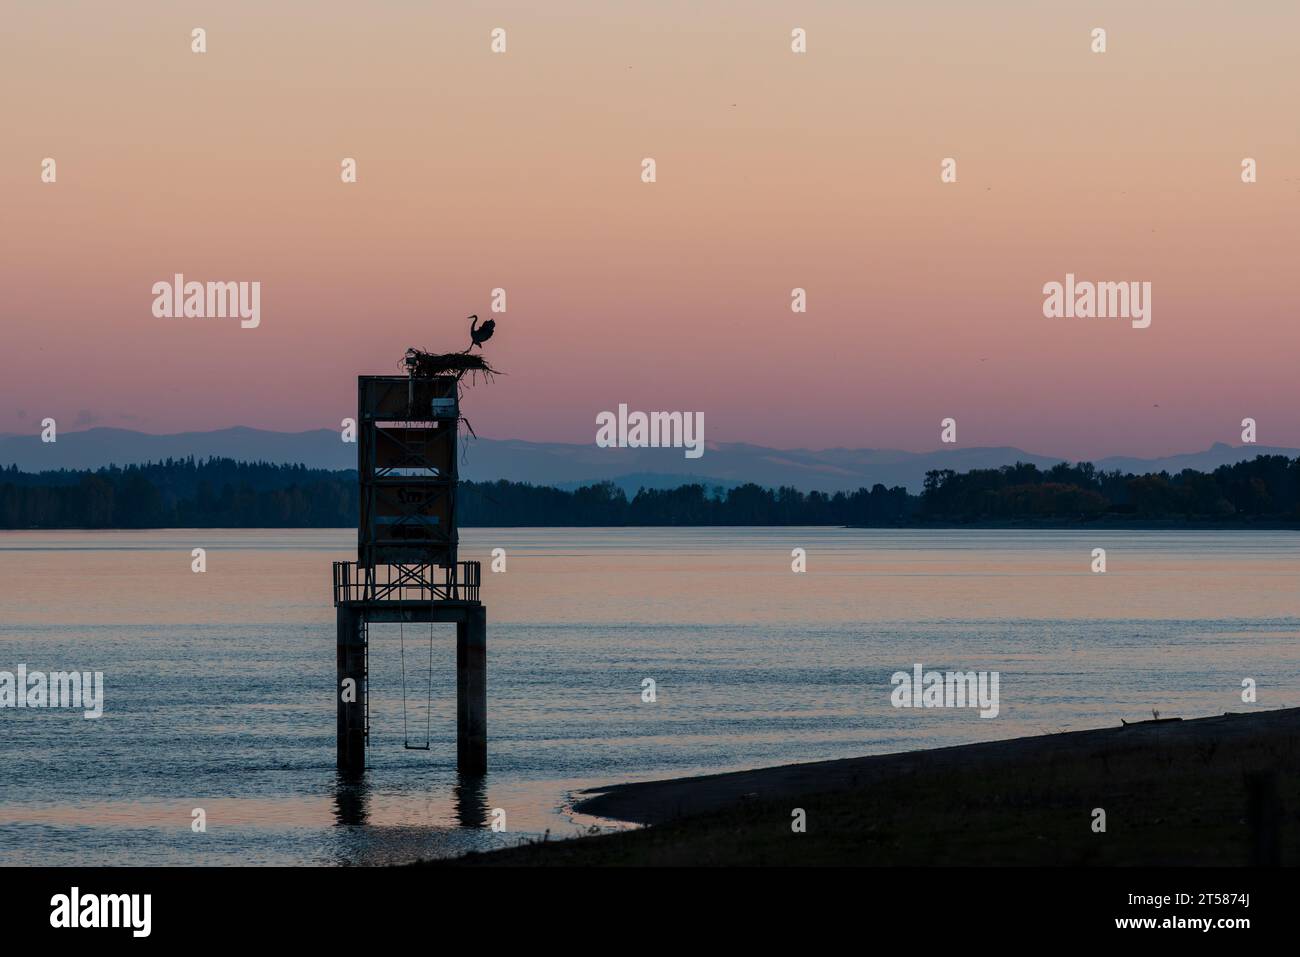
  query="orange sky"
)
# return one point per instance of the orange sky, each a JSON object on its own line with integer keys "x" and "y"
{"x": 775, "y": 170}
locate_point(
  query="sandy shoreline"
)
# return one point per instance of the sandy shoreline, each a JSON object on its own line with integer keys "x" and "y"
{"x": 653, "y": 802}
{"x": 1208, "y": 791}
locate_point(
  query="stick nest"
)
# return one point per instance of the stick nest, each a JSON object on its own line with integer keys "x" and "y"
{"x": 425, "y": 365}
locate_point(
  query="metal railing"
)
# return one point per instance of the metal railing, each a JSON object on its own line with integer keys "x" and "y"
{"x": 357, "y": 583}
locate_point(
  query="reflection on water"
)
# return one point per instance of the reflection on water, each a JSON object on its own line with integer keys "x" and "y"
{"x": 218, "y": 686}
{"x": 471, "y": 800}
{"x": 350, "y": 799}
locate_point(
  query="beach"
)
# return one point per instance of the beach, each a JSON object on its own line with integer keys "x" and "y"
{"x": 1214, "y": 791}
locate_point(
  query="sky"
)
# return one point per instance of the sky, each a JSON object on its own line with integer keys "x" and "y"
{"x": 774, "y": 171}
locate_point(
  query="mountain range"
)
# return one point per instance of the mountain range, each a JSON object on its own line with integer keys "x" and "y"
{"x": 564, "y": 465}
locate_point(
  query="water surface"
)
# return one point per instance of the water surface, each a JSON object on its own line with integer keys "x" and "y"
{"x": 219, "y": 685}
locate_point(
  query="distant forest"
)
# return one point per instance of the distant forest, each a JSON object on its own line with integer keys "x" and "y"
{"x": 223, "y": 493}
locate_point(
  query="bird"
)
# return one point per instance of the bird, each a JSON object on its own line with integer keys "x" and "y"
{"x": 480, "y": 334}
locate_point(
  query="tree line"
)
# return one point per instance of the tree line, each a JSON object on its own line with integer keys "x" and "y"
{"x": 1263, "y": 489}
{"x": 224, "y": 493}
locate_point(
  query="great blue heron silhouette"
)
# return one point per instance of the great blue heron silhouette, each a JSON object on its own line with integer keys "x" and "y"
{"x": 480, "y": 334}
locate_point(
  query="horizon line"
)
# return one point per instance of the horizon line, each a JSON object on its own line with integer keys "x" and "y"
{"x": 708, "y": 443}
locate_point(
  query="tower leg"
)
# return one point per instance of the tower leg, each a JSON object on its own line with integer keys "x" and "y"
{"x": 471, "y": 692}
{"x": 351, "y": 692}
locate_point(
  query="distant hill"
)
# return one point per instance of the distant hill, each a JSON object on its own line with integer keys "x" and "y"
{"x": 725, "y": 464}
{"x": 1207, "y": 461}
{"x": 97, "y": 447}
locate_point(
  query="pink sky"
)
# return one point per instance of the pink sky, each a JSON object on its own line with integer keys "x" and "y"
{"x": 775, "y": 170}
